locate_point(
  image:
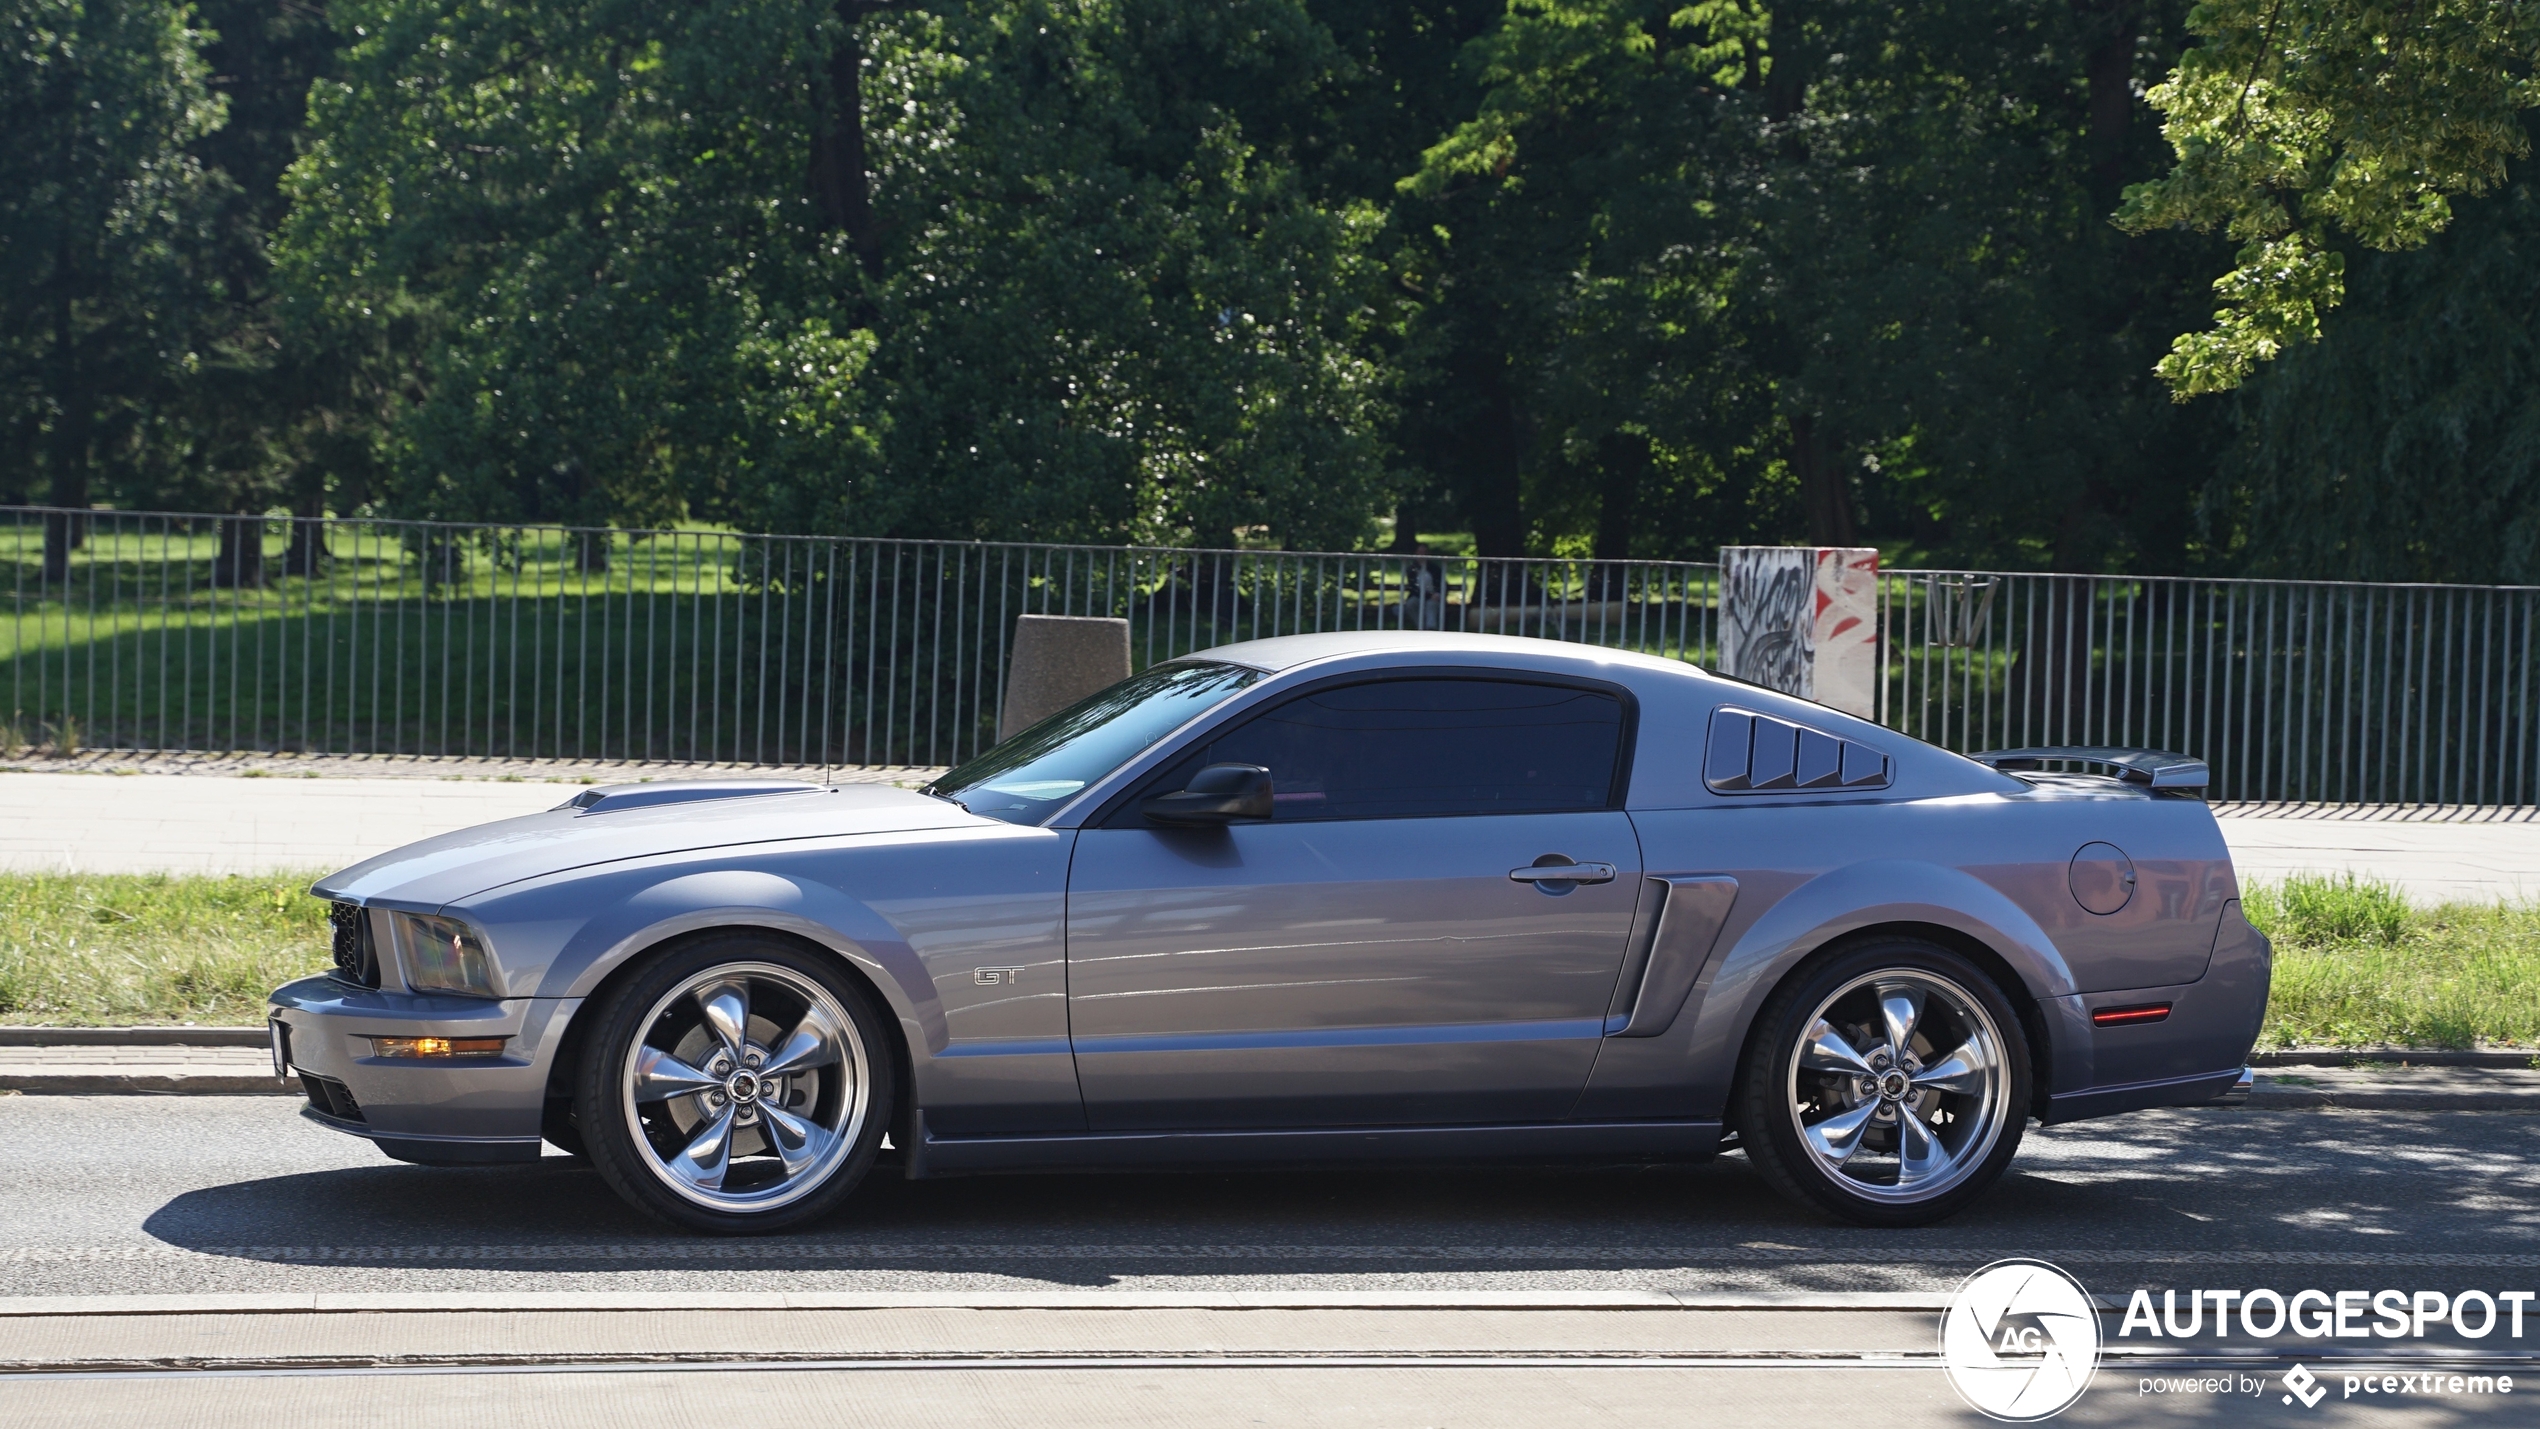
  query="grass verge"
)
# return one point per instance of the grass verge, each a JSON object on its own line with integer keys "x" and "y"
{"x": 2356, "y": 964}
{"x": 80, "y": 950}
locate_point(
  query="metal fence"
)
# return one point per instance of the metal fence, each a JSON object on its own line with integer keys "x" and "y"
{"x": 2309, "y": 691}
{"x": 192, "y": 632}
{"x": 187, "y": 632}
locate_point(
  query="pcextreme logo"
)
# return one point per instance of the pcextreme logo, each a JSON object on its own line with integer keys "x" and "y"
{"x": 2020, "y": 1340}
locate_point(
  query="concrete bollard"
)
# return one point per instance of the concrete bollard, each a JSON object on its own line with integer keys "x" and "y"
{"x": 1058, "y": 660}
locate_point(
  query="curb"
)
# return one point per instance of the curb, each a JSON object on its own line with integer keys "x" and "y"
{"x": 104, "y": 1077}
{"x": 254, "y": 1036}
{"x": 145, "y": 1084}
{"x": 2509, "y": 1061}
{"x": 132, "y": 1036}
{"x": 2278, "y": 1096}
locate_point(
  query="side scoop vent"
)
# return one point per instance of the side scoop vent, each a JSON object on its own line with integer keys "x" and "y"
{"x": 1758, "y": 754}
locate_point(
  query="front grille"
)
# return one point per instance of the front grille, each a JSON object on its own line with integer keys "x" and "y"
{"x": 356, "y": 951}
{"x": 331, "y": 1097}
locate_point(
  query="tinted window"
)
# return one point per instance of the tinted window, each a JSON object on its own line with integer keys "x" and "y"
{"x": 1029, "y": 776}
{"x": 1406, "y": 748}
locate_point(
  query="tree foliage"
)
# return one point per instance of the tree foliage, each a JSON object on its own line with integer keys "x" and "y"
{"x": 1843, "y": 267}
{"x": 2299, "y": 121}
{"x": 1609, "y": 277}
{"x": 102, "y": 210}
{"x": 2405, "y": 445}
{"x": 1064, "y": 293}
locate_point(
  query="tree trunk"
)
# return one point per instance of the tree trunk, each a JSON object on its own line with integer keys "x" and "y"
{"x": 64, "y": 533}
{"x": 1625, "y": 458}
{"x": 1824, "y": 491}
{"x": 1494, "y": 468}
{"x": 2111, "y": 97}
{"x": 241, "y": 562}
{"x": 306, "y": 555}
{"x": 841, "y": 186}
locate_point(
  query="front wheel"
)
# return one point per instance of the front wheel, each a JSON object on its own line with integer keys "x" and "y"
{"x": 738, "y": 1085}
{"x": 1888, "y": 1086}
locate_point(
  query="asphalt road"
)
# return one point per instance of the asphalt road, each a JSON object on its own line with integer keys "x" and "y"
{"x": 144, "y": 1195}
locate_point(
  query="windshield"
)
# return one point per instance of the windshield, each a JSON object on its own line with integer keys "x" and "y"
{"x": 1027, "y": 777}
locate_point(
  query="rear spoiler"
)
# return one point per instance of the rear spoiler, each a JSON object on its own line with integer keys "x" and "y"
{"x": 2152, "y": 768}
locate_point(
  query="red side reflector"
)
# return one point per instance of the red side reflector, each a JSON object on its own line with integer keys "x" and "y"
{"x": 2123, "y": 1016}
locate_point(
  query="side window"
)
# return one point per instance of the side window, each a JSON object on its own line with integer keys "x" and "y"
{"x": 1413, "y": 748}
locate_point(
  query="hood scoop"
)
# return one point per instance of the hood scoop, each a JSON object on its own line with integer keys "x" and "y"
{"x": 613, "y": 798}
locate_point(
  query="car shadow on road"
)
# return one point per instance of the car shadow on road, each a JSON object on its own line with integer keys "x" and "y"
{"x": 1617, "y": 1224}
{"x": 559, "y": 1216}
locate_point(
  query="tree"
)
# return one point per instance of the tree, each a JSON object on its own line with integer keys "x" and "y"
{"x": 2405, "y": 445}
{"x": 1837, "y": 270}
{"x": 589, "y": 219}
{"x": 2297, "y": 122}
{"x": 1111, "y": 303}
{"x": 274, "y": 408}
{"x": 101, "y": 235}
{"x": 1013, "y": 269}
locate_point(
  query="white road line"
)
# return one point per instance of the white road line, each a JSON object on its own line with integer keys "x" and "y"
{"x": 1149, "y": 1362}
{"x": 586, "y": 1301}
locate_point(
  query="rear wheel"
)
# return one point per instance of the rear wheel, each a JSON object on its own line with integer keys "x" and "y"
{"x": 1889, "y": 1085}
{"x": 739, "y": 1085}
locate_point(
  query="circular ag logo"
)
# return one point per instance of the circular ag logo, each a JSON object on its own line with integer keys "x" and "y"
{"x": 2021, "y": 1340}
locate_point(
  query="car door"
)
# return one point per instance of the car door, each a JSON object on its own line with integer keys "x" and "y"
{"x": 1382, "y": 951}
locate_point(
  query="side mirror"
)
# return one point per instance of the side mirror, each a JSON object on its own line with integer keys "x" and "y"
{"x": 1219, "y": 794}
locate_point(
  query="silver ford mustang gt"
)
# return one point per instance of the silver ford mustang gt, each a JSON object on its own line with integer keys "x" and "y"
{"x": 1321, "y": 898}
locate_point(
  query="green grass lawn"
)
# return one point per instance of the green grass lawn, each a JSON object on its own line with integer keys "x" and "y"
{"x": 2356, "y": 964}
{"x": 103, "y": 949}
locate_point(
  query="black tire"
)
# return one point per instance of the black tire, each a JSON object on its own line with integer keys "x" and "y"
{"x": 637, "y": 1139}
{"x": 562, "y": 1128}
{"x": 1796, "y": 1116}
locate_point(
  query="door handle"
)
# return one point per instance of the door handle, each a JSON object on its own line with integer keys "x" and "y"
{"x": 1564, "y": 873}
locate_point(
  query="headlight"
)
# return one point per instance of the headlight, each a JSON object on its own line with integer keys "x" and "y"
{"x": 441, "y": 955}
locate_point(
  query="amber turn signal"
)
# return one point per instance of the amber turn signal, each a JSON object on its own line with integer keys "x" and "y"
{"x": 437, "y": 1046}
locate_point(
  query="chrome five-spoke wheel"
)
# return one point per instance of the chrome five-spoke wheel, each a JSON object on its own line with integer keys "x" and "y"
{"x": 1894, "y": 1086}
{"x": 742, "y": 1086}
{"x": 1898, "y": 1085}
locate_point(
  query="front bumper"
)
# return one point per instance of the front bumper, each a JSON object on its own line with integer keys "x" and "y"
{"x": 466, "y": 1110}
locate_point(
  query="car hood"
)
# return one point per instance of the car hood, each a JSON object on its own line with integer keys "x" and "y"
{"x": 437, "y": 871}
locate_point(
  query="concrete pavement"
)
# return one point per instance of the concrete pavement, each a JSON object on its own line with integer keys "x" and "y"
{"x": 2436, "y": 856}
{"x": 120, "y": 1196}
{"x": 216, "y": 1261}
{"x": 259, "y": 818}
{"x": 1058, "y": 1360}
{"x": 237, "y": 815}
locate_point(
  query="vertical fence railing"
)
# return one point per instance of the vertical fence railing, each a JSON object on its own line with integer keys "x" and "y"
{"x": 145, "y": 630}
{"x": 2302, "y": 691}
{"x": 142, "y": 630}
